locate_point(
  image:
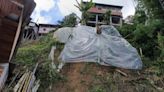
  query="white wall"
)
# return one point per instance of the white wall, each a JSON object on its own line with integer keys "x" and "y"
{"x": 45, "y": 30}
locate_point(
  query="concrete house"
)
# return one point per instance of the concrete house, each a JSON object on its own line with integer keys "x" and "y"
{"x": 129, "y": 20}
{"x": 46, "y": 28}
{"x": 31, "y": 31}
{"x": 100, "y": 9}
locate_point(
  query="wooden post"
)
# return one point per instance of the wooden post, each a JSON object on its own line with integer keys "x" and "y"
{"x": 17, "y": 34}
{"x": 141, "y": 52}
{"x": 96, "y": 19}
{"x": 110, "y": 20}
{"x": 120, "y": 22}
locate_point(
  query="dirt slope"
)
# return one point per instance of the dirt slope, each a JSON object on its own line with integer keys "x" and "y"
{"x": 91, "y": 77}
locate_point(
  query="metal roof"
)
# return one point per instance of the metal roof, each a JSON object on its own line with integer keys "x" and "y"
{"x": 107, "y": 5}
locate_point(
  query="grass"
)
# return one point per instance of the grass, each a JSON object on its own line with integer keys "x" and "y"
{"x": 37, "y": 51}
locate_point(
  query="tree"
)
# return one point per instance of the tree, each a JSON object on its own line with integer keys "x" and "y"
{"x": 140, "y": 17}
{"x": 148, "y": 23}
{"x": 84, "y": 8}
{"x": 152, "y": 8}
{"x": 107, "y": 17}
{"x": 68, "y": 21}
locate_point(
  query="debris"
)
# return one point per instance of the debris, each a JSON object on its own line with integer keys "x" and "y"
{"x": 51, "y": 56}
{"x": 121, "y": 72}
{"x": 36, "y": 86}
{"x": 141, "y": 52}
{"x": 20, "y": 82}
{"x": 13, "y": 80}
{"x": 3, "y": 74}
{"x": 1, "y": 70}
{"x": 26, "y": 82}
{"x": 153, "y": 85}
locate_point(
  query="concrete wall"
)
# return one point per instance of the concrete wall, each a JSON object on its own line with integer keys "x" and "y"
{"x": 45, "y": 30}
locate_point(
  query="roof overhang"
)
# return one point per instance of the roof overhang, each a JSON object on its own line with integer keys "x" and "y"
{"x": 106, "y": 5}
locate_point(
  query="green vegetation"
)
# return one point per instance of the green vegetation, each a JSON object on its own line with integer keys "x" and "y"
{"x": 84, "y": 8}
{"x": 107, "y": 16}
{"x": 32, "y": 52}
{"x": 69, "y": 21}
{"x": 37, "y": 51}
{"x": 147, "y": 33}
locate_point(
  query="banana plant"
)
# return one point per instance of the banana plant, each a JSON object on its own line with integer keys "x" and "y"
{"x": 84, "y": 7}
{"x": 107, "y": 17}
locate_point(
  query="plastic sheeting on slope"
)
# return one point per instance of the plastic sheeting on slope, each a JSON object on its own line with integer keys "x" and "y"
{"x": 63, "y": 34}
{"x": 108, "y": 48}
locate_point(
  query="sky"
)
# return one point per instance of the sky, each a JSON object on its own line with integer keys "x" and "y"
{"x": 51, "y": 11}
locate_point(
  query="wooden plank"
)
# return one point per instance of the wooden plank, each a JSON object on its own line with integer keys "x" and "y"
{"x": 18, "y": 3}
{"x": 5, "y": 53}
{"x": 8, "y": 30}
{"x": 4, "y": 75}
{"x": 7, "y": 22}
{"x": 7, "y": 7}
{"x": 4, "y": 41}
{"x": 5, "y": 49}
{"x": 7, "y": 33}
{"x": 4, "y": 56}
{"x": 17, "y": 35}
{"x": 1, "y": 70}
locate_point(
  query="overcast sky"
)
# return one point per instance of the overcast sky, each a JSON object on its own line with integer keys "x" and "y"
{"x": 50, "y": 11}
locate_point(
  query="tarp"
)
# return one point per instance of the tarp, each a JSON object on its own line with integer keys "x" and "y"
{"x": 63, "y": 34}
{"x": 108, "y": 48}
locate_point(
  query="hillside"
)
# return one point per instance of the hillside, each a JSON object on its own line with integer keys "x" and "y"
{"x": 85, "y": 77}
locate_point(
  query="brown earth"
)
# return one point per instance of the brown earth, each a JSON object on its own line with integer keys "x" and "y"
{"x": 91, "y": 77}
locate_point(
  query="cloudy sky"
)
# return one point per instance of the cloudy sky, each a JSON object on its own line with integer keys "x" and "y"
{"x": 50, "y": 11}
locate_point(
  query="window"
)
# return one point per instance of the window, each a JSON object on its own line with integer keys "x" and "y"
{"x": 44, "y": 29}
{"x": 115, "y": 19}
{"x": 99, "y": 8}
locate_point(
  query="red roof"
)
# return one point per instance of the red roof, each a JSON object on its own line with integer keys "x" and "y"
{"x": 96, "y": 10}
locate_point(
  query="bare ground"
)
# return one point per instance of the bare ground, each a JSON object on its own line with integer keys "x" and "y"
{"x": 91, "y": 77}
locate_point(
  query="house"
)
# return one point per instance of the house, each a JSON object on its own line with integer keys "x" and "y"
{"x": 47, "y": 28}
{"x": 31, "y": 31}
{"x": 14, "y": 15}
{"x": 99, "y": 10}
{"x": 129, "y": 20}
